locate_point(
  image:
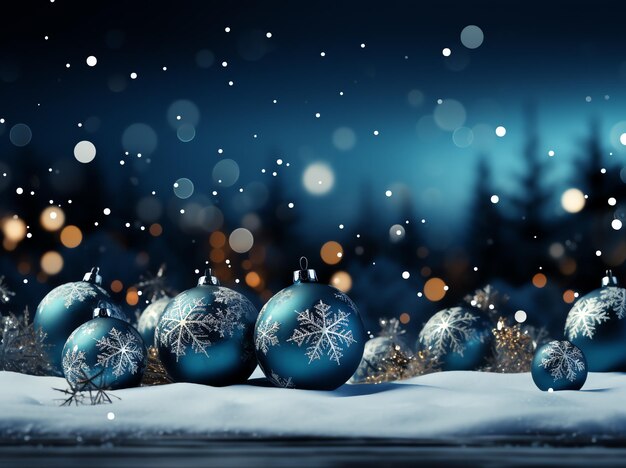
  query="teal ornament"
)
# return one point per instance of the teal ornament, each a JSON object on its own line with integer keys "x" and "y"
{"x": 559, "y": 365}
{"x": 106, "y": 352}
{"x": 309, "y": 335}
{"x": 597, "y": 325}
{"x": 205, "y": 335}
{"x": 459, "y": 337}
{"x": 67, "y": 307}
{"x": 149, "y": 318}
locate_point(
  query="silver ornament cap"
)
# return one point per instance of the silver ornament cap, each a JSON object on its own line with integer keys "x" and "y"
{"x": 304, "y": 274}
{"x": 609, "y": 279}
{"x": 102, "y": 312}
{"x": 93, "y": 276}
{"x": 208, "y": 279}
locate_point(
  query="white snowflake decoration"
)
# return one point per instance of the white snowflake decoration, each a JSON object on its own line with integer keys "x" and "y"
{"x": 232, "y": 308}
{"x": 77, "y": 291}
{"x": 616, "y": 299}
{"x": 266, "y": 335}
{"x": 449, "y": 329}
{"x": 342, "y": 297}
{"x": 324, "y": 332}
{"x": 585, "y": 316}
{"x": 121, "y": 351}
{"x": 74, "y": 365}
{"x": 281, "y": 382}
{"x": 563, "y": 360}
{"x": 186, "y": 323}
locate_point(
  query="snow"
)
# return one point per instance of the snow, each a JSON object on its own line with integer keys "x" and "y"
{"x": 436, "y": 407}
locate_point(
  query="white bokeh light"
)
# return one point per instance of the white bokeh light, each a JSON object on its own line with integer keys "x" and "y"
{"x": 84, "y": 151}
{"x": 616, "y": 224}
{"x": 472, "y": 36}
{"x": 318, "y": 178}
{"x": 573, "y": 200}
{"x": 91, "y": 61}
{"x": 241, "y": 240}
{"x": 500, "y": 131}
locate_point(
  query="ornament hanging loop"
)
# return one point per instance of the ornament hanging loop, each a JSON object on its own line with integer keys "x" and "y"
{"x": 609, "y": 279}
{"x": 93, "y": 276}
{"x": 304, "y": 274}
{"x": 208, "y": 279}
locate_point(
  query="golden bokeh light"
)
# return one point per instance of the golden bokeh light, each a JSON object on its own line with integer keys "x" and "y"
{"x": 331, "y": 252}
{"x": 71, "y": 236}
{"x": 573, "y": 200}
{"x": 253, "y": 279}
{"x": 435, "y": 289}
{"x": 569, "y": 296}
{"x": 405, "y": 318}
{"x": 14, "y": 229}
{"x": 217, "y": 256}
{"x": 132, "y": 298}
{"x": 217, "y": 239}
{"x": 51, "y": 262}
{"x": 117, "y": 286}
{"x": 342, "y": 281}
{"x": 155, "y": 230}
{"x": 52, "y": 218}
{"x": 540, "y": 280}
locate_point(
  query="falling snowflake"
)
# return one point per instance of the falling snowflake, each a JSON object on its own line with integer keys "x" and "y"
{"x": 186, "y": 323}
{"x": 616, "y": 299}
{"x": 121, "y": 351}
{"x": 449, "y": 329}
{"x": 77, "y": 291}
{"x": 74, "y": 365}
{"x": 563, "y": 360}
{"x": 584, "y": 317}
{"x": 324, "y": 332}
{"x": 266, "y": 335}
{"x": 342, "y": 297}
{"x": 281, "y": 382}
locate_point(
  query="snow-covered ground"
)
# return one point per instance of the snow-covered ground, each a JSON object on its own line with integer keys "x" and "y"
{"x": 447, "y": 406}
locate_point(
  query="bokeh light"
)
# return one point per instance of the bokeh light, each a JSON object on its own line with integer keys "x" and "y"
{"x": 20, "y": 134}
{"x": 449, "y": 115}
{"x": 51, "y": 262}
{"x": 14, "y": 229}
{"x": 117, "y": 286}
{"x": 396, "y": 233}
{"x": 569, "y": 296}
{"x": 253, "y": 279}
{"x": 226, "y": 172}
{"x": 472, "y": 36}
{"x": 52, "y": 218}
{"x": 241, "y": 240}
{"x": 139, "y": 138}
{"x": 342, "y": 281}
{"x": 573, "y": 200}
{"x": 344, "y": 138}
{"x": 71, "y": 236}
{"x": 132, "y": 298}
{"x": 540, "y": 280}
{"x": 183, "y": 188}
{"x": 463, "y": 137}
{"x": 84, "y": 151}
{"x": 331, "y": 252}
{"x": 318, "y": 178}
{"x": 404, "y": 318}
{"x": 217, "y": 239}
{"x": 435, "y": 289}
{"x": 183, "y": 111}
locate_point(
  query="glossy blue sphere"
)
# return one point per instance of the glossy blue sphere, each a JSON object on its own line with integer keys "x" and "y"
{"x": 205, "y": 336}
{"x": 149, "y": 318}
{"x": 597, "y": 325}
{"x": 559, "y": 365}
{"x": 107, "y": 350}
{"x": 459, "y": 337}
{"x": 309, "y": 336}
{"x": 67, "y": 307}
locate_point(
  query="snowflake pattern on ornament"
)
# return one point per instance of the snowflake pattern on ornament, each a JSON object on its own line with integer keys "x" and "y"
{"x": 266, "y": 335}
{"x": 72, "y": 292}
{"x": 74, "y": 365}
{"x": 324, "y": 332}
{"x": 186, "y": 323}
{"x": 563, "y": 360}
{"x": 235, "y": 307}
{"x": 344, "y": 298}
{"x": 449, "y": 329}
{"x": 616, "y": 299}
{"x": 121, "y": 351}
{"x": 280, "y": 382}
{"x": 584, "y": 317}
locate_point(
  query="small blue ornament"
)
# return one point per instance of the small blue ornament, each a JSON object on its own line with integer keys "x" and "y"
{"x": 106, "y": 351}
{"x": 597, "y": 325}
{"x": 559, "y": 365}
{"x": 67, "y": 307}
{"x": 460, "y": 338}
{"x": 149, "y": 319}
{"x": 309, "y": 335}
{"x": 205, "y": 335}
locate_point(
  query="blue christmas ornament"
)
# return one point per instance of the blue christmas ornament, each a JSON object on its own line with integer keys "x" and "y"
{"x": 106, "y": 351}
{"x": 559, "y": 365}
{"x": 67, "y": 307}
{"x": 460, "y": 338}
{"x": 597, "y": 325}
{"x": 149, "y": 318}
{"x": 205, "y": 335}
{"x": 309, "y": 335}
